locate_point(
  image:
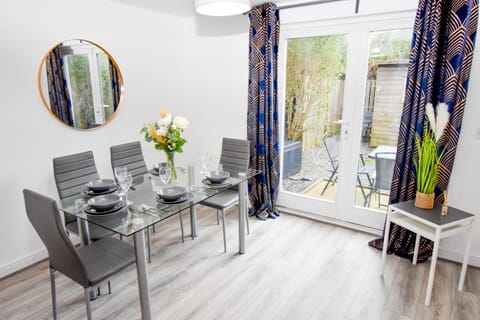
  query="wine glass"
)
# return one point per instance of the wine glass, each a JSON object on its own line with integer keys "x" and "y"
{"x": 205, "y": 160}
{"x": 125, "y": 183}
{"x": 165, "y": 174}
{"x": 120, "y": 172}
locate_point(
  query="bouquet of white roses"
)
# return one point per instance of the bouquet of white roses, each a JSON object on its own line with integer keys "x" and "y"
{"x": 166, "y": 134}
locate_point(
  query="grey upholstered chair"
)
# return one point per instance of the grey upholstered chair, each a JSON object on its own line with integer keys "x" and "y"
{"x": 234, "y": 158}
{"x": 129, "y": 155}
{"x": 88, "y": 265}
{"x": 72, "y": 173}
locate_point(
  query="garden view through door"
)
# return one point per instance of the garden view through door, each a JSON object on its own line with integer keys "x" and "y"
{"x": 315, "y": 76}
{"x": 323, "y": 72}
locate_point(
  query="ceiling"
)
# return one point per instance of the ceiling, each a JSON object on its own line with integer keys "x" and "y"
{"x": 185, "y": 8}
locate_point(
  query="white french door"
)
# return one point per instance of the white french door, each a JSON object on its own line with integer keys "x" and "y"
{"x": 341, "y": 85}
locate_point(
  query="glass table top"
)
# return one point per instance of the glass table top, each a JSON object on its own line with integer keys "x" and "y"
{"x": 144, "y": 208}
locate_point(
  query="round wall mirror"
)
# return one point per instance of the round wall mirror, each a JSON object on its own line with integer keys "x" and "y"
{"x": 80, "y": 84}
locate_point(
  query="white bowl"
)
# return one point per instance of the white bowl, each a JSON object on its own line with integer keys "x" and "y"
{"x": 171, "y": 193}
{"x": 103, "y": 203}
{"x": 217, "y": 176}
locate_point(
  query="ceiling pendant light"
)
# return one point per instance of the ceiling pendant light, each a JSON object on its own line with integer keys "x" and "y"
{"x": 222, "y": 7}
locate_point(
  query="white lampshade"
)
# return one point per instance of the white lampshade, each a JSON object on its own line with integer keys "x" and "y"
{"x": 222, "y": 7}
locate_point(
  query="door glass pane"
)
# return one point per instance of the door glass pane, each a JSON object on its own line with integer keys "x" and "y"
{"x": 315, "y": 79}
{"x": 106, "y": 85}
{"x": 382, "y": 107}
{"x": 80, "y": 89}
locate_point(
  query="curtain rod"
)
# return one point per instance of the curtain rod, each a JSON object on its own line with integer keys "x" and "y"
{"x": 305, "y": 4}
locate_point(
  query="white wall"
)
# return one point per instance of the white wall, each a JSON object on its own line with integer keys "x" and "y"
{"x": 164, "y": 64}
{"x": 30, "y": 137}
{"x": 196, "y": 67}
{"x": 215, "y": 82}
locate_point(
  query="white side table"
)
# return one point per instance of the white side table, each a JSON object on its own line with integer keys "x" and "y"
{"x": 432, "y": 225}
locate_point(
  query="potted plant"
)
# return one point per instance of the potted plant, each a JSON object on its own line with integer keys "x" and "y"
{"x": 429, "y": 156}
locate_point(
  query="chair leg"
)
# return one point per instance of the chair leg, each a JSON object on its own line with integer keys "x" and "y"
{"x": 248, "y": 224}
{"x": 181, "y": 226}
{"x": 54, "y": 295}
{"x": 153, "y": 229}
{"x": 109, "y": 287}
{"x": 370, "y": 195}
{"x": 218, "y": 216}
{"x": 329, "y": 180}
{"x": 362, "y": 190}
{"x": 224, "y": 234}
{"x": 87, "y": 303}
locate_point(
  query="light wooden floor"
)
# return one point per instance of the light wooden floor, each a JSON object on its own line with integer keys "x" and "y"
{"x": 294, "y": 268}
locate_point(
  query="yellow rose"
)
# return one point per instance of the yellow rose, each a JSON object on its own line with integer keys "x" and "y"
{"x": 163, "y": 113}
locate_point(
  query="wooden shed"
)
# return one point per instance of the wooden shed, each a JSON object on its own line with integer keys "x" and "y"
{"x": 389, "y": 96}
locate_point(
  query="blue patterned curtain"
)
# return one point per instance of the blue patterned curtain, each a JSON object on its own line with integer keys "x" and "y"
{"x": 60, "y": 103}
{"x": 440, "y": 63}
{"x": 262, "y": 121}
{"x": 116, "y": 84}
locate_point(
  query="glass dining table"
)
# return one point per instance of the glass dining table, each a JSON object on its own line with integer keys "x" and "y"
{"x": 145, "y": 210}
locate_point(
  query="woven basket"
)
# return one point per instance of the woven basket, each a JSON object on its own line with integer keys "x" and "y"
{"x": 424, "y": 200}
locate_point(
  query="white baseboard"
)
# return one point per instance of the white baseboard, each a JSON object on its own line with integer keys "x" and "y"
{"x": 23, "y": 262}
{"x": 28, "y": 260}
{"x": 458, "y": 257}
{"x": 442, "y": 253}
{"x": 336, "y": 222}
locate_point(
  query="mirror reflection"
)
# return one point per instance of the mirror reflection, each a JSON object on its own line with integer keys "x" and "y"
{"x": 80, "y": 84}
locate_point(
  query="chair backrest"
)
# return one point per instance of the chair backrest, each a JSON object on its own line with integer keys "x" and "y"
{"x": 73, "y": 172}
{"x": 333, "y": 151}
{"x": 384, "y": 163}
{"x": 129, "y": 155}
{"x": 43, "y": 215}
{"x": 235, "y": 156}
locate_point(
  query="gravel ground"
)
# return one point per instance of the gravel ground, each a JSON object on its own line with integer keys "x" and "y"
{"x": 315, "y": 166}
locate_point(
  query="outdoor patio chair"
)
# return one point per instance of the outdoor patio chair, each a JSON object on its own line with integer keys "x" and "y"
{"x": 382, "y": 180}
{"x": 331, "y": 146}
{"x": 333, "y": 151}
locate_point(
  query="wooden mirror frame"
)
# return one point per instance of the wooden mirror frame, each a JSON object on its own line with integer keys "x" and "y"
{"x": 43, "y": 85}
